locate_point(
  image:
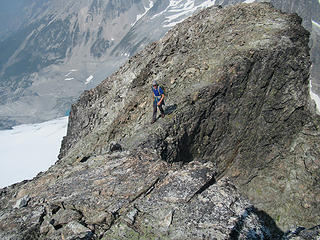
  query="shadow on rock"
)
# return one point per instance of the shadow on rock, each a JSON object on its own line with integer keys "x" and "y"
{"x": 303, "y": 233}
{"x": 170, "y": 109}
{"x": 270, "y": 224}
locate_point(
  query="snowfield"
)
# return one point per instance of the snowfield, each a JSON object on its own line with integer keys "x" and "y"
{"x": 29, "y": 149}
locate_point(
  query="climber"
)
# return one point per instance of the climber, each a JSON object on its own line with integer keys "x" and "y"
{"x": 158, "y": 100}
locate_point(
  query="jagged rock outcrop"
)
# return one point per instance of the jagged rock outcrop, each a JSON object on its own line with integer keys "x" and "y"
{"x": 239, "y": 123}
{"x": 239, "y": 83}
{"x": 126, "y": 195}
{"x": 309, "y": 11}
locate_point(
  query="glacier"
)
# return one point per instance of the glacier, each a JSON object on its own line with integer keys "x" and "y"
{"x": 29, "y": 149}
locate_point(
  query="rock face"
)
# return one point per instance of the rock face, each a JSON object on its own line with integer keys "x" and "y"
{"x": 130, "y": 196}
{"x": 239, "y": 123}
{"x": 309, "y": 11}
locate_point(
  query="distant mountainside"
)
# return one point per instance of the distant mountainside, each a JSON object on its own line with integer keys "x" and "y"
{"x": 51, "y": 51}
{"x": 62, "y": 48}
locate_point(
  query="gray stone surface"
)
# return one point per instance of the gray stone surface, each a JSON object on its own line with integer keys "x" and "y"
{"x": 309, "y": 11}
{"x": 238, "y": 96}
{"x": 239, "y": 124}
{"x": 22, "y": 202}
{"x": 126, "y": 195}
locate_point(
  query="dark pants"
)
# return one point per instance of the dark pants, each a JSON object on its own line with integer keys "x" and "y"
{"x": 155, "y": 105}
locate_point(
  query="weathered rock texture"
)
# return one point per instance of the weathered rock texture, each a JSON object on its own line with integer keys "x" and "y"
{"x": 238, "y": 110}
{"x": 126, "y": 195}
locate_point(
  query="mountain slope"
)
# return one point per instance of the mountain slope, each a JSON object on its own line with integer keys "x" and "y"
{"x": 65, "y": 48}
{"x": 238, "y": 109}
{"x": 240, "y": 101}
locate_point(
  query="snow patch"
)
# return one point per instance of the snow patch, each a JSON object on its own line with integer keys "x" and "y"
{"x": 315, "y": 27}
{"x": 68, "y": 79}
{"x": 314, "y": 97}
{"x": 249, "y": 1}
{"x": 146, "y": 9}
{"x": 73, "y": 70}
{"x": 29, "y": 149}
{"x": 88, "y": 80}
{"x": 315, "y": 23}
{"x": 181, "y": 9}
{"x": 207, "y": 4}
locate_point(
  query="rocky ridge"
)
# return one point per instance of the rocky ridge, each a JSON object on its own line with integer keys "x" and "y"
{"x": 57, "y": 50}
{"x": 239, "y": 124}
{"x": 309, "y": 11}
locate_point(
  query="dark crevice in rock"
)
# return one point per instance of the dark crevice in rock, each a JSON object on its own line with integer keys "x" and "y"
{"x": 311, "y": 233}
{"x": 184, "y": 145}
{"x": 204, "y": 187}
{"x": 57, "y": 227}
{"x": 41, "y": 219}
{"x": 84, "y": 159}
{"x": 63, "y": 206}
{"x": 250, "y": 179}
{"x": 114, "y": 146}
{"x": 146, "y": 191}
{"x": 116, "y": 216}
{"x": 55, "y": 209}
{"x": 82, "y": 221}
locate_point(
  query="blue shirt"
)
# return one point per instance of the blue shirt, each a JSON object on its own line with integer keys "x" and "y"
{"x": 158, "y": 93}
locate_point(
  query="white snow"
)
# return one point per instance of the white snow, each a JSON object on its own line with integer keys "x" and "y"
{"x": 146, "y": 9}
{"x": 207, "y": 4}
{"x": 29, "y": 149}
{"x": 73, "y": 70}
{"x": 315, "y": 23}
{"x": 69, "y": 79}
{"x": 88, "y": 80}
{"x": 315, "y": 27}
{"x": 249, "y": 1}
{"x": 179, "y": 9}
{"x": 314, "y": 97}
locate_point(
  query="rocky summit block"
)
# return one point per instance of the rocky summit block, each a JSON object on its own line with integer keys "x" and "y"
{"x": 239, "y": 123}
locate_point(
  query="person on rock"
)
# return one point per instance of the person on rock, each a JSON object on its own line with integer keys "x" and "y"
{"x": 158, "y": 100}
